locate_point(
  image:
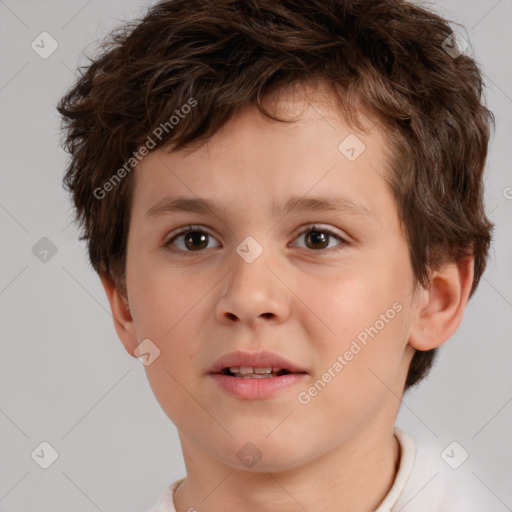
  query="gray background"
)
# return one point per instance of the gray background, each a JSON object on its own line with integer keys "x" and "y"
{"x": 65, "y": 377}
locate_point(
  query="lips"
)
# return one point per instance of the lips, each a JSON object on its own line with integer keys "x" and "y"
{"x": 253, "y": 360}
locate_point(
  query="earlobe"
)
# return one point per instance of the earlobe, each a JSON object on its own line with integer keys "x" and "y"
{"x": 121, "y": 314}
{"x": 441, "y": 307}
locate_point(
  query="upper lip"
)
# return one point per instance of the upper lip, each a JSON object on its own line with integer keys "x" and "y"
{"x": 255, "y": 360}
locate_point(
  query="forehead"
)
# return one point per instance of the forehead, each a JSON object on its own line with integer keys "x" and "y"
{"x": 254, "y": 160}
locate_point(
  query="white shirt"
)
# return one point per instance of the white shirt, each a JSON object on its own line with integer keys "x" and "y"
{"x": 424, "y": 483}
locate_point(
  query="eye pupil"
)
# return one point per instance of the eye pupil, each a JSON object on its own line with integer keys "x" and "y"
{"x": 196, "y": 236}
{"x": 317, "y": 237}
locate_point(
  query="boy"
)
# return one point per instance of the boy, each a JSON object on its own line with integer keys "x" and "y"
{"x": 327, "y": 159}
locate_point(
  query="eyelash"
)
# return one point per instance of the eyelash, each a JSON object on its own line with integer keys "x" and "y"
{"x": 306, "y": 229}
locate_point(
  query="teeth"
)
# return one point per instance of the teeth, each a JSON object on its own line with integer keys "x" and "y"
{"x": 256, "y": 376}
{"x": 253, "y": 372}
{"x": 244, "y": 370}
{"x": 262, "y": 371}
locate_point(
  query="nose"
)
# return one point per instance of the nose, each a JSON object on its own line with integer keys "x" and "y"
{"x": 253, "y": 293}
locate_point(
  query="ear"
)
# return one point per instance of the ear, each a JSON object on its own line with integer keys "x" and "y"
{"x": 441, "y": 307}
{"x": 123, "y": 321}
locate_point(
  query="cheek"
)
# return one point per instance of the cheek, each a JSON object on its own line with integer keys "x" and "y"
{"x": 162, "y": 297}
{"x": 341, "y": 307}
{"x": 166, "y": 310}
{"x": 359, "y": 338}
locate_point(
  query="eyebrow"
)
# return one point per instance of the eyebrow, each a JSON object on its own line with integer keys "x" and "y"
{"x": 299, "y": 203}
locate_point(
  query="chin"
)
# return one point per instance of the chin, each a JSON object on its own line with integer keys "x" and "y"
{"x": 259, "y": 453}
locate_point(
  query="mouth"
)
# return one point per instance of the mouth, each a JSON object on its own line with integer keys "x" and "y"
{"x": 249, "y": 372}
{"x": 255, "y": 376}
{"x": 254, "y": 365}
{"x": 256, "y": 383}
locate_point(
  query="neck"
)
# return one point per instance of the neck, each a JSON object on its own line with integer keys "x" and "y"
{"x": 353, "y": 477}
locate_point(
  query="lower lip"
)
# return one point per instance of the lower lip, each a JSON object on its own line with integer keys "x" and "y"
{"x": 256, "y": 389}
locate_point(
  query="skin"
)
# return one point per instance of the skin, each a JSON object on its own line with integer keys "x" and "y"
{"x": 338, "y": 452}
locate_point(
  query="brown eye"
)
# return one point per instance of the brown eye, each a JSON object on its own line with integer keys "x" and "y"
{"x": 318, "y": 238}
{"x": 195, "y": 240}
{"x": 190, "y": 240}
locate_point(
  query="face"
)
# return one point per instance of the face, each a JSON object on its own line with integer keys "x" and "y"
{"x": 325, "y": 285}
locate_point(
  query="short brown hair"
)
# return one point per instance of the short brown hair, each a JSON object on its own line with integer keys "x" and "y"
{"x": 390, "y": 55}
